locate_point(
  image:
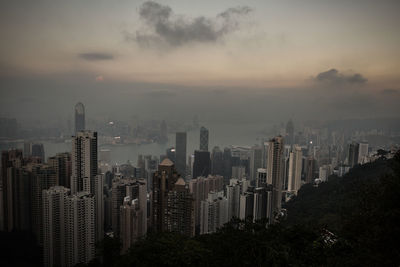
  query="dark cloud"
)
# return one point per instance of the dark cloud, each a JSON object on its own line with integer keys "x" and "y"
{"x": 333, "y": 76}
{"x": 163, "y": 27}
{"x": 95, "y": 56}
{"x": 390, "y": 91}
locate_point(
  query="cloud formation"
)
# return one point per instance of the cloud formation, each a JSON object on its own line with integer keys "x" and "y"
{"x": 162, "y": 26}
{"x": 333, "y": 76}
{"x": 95, "y": 56}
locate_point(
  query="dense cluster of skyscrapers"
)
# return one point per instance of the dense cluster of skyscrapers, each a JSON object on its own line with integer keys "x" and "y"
{"x": 71, "y": 201}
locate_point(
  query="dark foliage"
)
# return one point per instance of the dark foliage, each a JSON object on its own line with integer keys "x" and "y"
{"x": 19, "y": 249}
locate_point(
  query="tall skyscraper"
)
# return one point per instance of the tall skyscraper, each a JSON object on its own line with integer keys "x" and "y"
{"x": 200, "y": 187}
{"x": 131, "y": 222}
{"x": 18, "y": 204}
{"x": 180, "y": 215}
{"x": 127, "y": 187}
{"x": 217, "y": 161}
{"x": 84, "y": 162}
{"x": 68, "y": 227}
{"x": 295, "y": 169}
{"x": 163, "y": 181}
{"x": 202, "y": 164}
{"x": 203, "y": 139}
{"x": 54, "y": 224}
{"x": 261, "y": 180}
{"x": 310, "y": 165}
{"x": 227, "y": 158}
{"x": 180, "y": 147}
{"x": 255, "y": 162}
{"x": 10, "y": 158}
{"x": 37, "y": 150}
{"x": 79, "y": 117}
{"x": 80, "y": 228}
{"x": 353, "y": 154}
{"x": 61, "y": 163}
{"x": 233, "y": 196}
{"x": 275, "y": 171}
{"x": 42, "y": 178}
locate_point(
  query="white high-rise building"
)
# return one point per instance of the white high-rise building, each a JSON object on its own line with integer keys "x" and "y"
{"x": 214, "y": 212}
{"x": 233, "y": 196}
{"x": 295, "y": 169}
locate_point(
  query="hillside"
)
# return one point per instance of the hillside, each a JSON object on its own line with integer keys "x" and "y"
{"x": 348, "y": 221}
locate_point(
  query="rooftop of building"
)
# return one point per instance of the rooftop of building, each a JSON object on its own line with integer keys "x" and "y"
{"x": 166, "y": 162}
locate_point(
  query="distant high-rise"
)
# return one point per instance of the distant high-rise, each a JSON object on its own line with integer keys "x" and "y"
{"x": 203, "y": 139}
{"x": 61, "y": 163}
{"x": 180, "y": 149}
{"x": 131, "y": 222}
{"x": 10, "y": 158}
{"x": 202, "y": 164}
{"x": 84, "y": 162}
{"x": 362, "y": 152}
{"x": 227, "y": 167}
{"x": 42, "y": 178}
{"x": 180, "y": 214}
{"x": 217, "y": 161}
{"x": 163, "y": 181}
{"x": 310, "y": 166}
{"x": 79, "y": 117}
{"x": 233, "y": 196}
{"x": 171, "y": 154}
{"x": 353, "y": 154}
{"x": 37, "y": 150}
{"x": 275, "y": 171}
{"x": 261, "y": 180}
{"x": 255, "y": 161}
{"x": 295, "y": 169}
{"x": 200, "y": 187}
{"x": 127, "y": 187}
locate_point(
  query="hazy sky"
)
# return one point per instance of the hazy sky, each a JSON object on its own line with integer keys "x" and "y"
{"x": 301, "y": 57}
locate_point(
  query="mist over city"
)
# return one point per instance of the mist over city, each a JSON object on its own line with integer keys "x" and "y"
{"x": 180, "y": 133}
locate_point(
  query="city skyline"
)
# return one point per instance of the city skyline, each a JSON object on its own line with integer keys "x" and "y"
{"x": 199, "y": 133}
